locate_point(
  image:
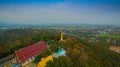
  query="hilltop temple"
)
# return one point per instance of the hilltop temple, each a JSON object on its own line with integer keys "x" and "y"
{"x": 28, "y": 54}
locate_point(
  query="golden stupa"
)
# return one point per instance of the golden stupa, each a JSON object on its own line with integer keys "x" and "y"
{"x": 61, "y": 37}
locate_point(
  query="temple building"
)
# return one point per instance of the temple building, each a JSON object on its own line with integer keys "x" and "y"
{"x": 28, "y": 54}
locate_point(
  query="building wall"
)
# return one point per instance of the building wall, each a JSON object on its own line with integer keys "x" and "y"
{"x": 28, "y": 61}
{"x": 15, "y": 60}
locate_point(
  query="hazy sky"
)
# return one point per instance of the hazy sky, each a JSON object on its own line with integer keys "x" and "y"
{"x": 60, "y": 11}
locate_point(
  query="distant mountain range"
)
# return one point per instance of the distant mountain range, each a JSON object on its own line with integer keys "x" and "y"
{"x": 56, "y": 24}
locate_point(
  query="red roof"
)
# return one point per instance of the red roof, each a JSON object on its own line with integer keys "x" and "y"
{"x": 30, "y": 51}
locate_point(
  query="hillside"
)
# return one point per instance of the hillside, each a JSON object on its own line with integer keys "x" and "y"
{"x": 80, "y": 53}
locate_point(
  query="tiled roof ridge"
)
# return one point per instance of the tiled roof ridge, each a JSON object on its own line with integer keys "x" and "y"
{"x": 33, "y": 45}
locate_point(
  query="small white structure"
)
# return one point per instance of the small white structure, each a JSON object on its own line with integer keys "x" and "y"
{"x": 60, "y": 52}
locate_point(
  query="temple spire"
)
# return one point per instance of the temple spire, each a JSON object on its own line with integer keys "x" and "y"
{"x": 62, "y": 36}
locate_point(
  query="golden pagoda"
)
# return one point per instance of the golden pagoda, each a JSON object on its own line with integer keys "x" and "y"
{"x": 61, "y": 37}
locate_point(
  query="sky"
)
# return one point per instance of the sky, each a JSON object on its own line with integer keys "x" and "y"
{"x": 60, "y": 11}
